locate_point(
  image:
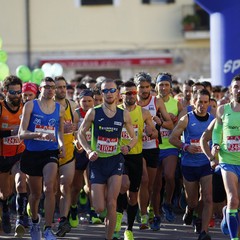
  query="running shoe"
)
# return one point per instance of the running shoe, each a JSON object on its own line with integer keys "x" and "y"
{"x": 118, "y": 222}
{"x": 188, "y": 216}
{"x": 6, "y": 224}
{"x": 35, "y": 231}
{"x": 48, "y": 234}
{"x": 63, "y": 228}
{"x": 144, "y": 222}
{"x": 223, "y": 225}
{"x": 73, "y": 217}
{"x": 19, "y": 229}
{"x": 211, "y": 223}
{"x": 83, "y": 199}
{"x": 204, "y": 236}
{"x": 94, "y": 219}
{"x": 128, "y": 235}
{"x": 150, "y": 214}
{"x": 29, "y": 210}
{"x": 168, "y": 212}
{"x": 155, "y": 226}
{"x": 116, "y": 236}
{"x": 198, "y": 225}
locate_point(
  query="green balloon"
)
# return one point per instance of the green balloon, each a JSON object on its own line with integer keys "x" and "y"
{"x": 4, "y": 71}
{"x": 3, "y": 56}
{"x": 37, "y": 75}
{"x": 0, "y": 43}
{"x": 23, "y": 73}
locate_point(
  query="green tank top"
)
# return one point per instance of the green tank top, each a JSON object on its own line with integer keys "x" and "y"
{"x": 171, "y": 107}
{"x": 137, "y": 121}
{"x": 230, "y": 148}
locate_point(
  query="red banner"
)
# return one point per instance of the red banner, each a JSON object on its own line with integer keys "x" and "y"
{"x": 111, "y": 62}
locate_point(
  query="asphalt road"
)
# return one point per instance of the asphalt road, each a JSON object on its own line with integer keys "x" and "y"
{"x": 173, "y": 231}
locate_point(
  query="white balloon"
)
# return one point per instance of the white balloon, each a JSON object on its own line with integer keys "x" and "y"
{"x": 47, "y": 69}
{"x": 57, "y": 69}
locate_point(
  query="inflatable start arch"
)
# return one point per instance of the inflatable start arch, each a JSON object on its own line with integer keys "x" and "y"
{"x": 225, "y": 38}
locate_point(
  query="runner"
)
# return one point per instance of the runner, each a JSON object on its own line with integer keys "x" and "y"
{"x": 106, "y": 160}
{"x": 42, "y": 128}
{"x": 11, "y": 151}
{"x": 196, "y": 167}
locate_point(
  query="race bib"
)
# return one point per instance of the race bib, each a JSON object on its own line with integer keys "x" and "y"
{"x": 164, "y": 133}
{"x": 12, "y": 140}
{"x": 196, "y": 142}
{"x": 233, "y": 143}
{"x": 125, "y": 134}
{"x": 107, "y": 145}
{"x": 44, "y": 129}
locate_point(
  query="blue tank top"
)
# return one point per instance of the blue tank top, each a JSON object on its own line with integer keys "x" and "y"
{"x": 192, "y": 135}
{"x": 42, "y": 122}
{"x": 106, "y": 132}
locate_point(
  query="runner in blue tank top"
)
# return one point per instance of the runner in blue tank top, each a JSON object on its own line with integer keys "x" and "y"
{"x": 42, "y": 129}
{"x": 196, "y": 167}
{"x": 105, "y": 152}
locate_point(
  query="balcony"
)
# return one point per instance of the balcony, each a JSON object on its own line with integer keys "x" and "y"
{"x": 195, "y": 22}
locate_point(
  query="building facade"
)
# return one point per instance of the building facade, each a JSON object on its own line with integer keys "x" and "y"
{"x": 115, "y": 38}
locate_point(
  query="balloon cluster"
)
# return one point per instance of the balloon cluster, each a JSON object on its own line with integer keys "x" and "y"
{"x": 36, "y": 76}
{"x": 24, "y": 73}
{"x": 4, "y": 69}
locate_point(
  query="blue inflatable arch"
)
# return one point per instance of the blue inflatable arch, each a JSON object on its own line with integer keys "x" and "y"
{"x": 225, "y": 39}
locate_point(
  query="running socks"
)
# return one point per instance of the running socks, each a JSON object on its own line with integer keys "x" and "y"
{"x": 232, "y": 221}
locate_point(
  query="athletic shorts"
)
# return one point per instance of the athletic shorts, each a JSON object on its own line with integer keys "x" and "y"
{"x": 6, "y": 163}
{"x": 231, "y": 168}
{"x": 102, "y": 169}
{"x": 133, "y": 167}
{"x": 33, "y": 162}
{"x": 151, "y": 156}
{"x": 69, "y": 149}
{"x": 194, "y": 174}
{"x": 81, "y": 160}
{"x": 164, "y": 153}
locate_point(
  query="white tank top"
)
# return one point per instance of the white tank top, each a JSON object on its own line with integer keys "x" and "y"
{"x": 147, "y": 142}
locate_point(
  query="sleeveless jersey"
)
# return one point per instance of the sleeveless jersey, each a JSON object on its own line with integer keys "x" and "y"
{"x": 192, "y": 135}
{"x": 149, "y": 143}
{"x": 9, "y": 120}
{"x": 138, "y": 123}
{"x": 45, "y": 123}
{"x": 171, "y": 107}
{"x": 68, "y": 138}
{"x": 230, "y": 147}
{"x": 106, "y": 132}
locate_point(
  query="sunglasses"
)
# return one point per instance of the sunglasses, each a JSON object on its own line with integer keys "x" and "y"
{"x": 111, "y": 90}
{"x": 12, "y": 92}
{"x": 49, "y": 87}
{"x": 129, "y": 93}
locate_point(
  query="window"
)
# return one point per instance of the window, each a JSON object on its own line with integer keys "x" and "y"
{"x": 96, "y": 2}
{"x": 79, "y": 3}
{"x": 157, "y": 1}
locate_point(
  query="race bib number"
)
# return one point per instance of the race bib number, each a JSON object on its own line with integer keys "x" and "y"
{"x": 196, "y": 142}
{"x": 233, "y": 143}
{"x": 12, "y": 140}
{"x": 125, "y": 134}
{"x": 44, "y": 129}
{"x": 107, "y": 145}
{"x": 164, "y": 133}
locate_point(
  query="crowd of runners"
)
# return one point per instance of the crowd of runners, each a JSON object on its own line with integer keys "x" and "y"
{"x": 131, "y": 149}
